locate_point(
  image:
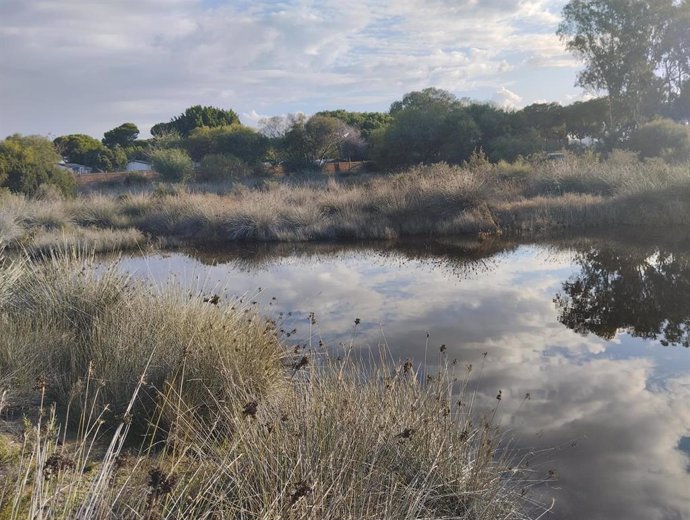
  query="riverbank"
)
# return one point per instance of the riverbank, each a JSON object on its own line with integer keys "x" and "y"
{"x": 478, "y": 199}
{"x": 152, "y": 402}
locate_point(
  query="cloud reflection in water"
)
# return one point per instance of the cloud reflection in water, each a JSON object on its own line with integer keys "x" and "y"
{"x": 611, "y": 411}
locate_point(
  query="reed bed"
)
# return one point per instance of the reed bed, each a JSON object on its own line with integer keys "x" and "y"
{"x": 145, "y": 402}
{"x": 436, "y": 200}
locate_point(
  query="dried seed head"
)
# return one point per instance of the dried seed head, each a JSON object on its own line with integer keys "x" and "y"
{"x": 250, "y": 409}
{"x": 407, "y": 366}
{"x": 405, "y": 434}
{"x": 56, "y": 463}
{"x": 41, "y": 383}
{"x": 301, "y": 489}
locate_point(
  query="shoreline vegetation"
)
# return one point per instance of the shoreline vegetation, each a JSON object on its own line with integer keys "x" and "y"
{"x": 478, "y": 198}
{"x": 153, "y": 402}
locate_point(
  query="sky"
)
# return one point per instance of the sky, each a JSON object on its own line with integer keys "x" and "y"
{"x": 85, "y": 66}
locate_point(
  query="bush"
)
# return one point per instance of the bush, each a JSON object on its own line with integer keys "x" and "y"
{"x": 509, "y": 148}
{"x": 222, "y": 166}
{"x": 661, "y": 138}
{"x": 173, "y": 165}
{"x": 27, "y": 162}
{"x": 519, "y": 170}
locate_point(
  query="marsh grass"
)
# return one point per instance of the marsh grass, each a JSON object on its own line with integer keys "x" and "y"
{"x": 153, "y": 403}
{"x": 436, "y": 200}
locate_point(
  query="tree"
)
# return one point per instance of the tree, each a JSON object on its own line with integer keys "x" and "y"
{"x": 365, "y": 122}
{"x": 586, "y": 119}
{"x": 674, "y": 49}
{"x": 661, "y": 138}
{"x": 28, "y": 162}
{"x": 172, "y": 164}
{"x": 619, "y": 42}
{"x": 84, "y": 149}
{"x": 124, "y": 135}
{"x": 493, "y": 122}
{"x": 548, "y": 119}
{"x": 196, "y": 117}
{"x": 244, "y": 143}
{"x": 277, "y": 126}
{"x": 316, "y": 139}
{"x": 428, "y": 126}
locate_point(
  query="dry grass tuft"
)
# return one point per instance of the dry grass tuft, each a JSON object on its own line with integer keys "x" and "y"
{"x": 232, "y": 428}
{"x": 434, "y": 200}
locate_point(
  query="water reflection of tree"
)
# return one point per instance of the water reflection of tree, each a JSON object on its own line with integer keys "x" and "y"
{"x": 646, "y": 293}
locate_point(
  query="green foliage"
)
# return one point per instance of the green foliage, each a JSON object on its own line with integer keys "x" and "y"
{"x": 661, "y": 138}
{"x": 635, "y": 51}
{"x": 220, "y": 166}
{"x": 240, "y": 141}
{"x": 196, "y": 117}
{"x": 519, "y": 170}
{"x": 510, "y": 147}
{"x": 84, "y": 149}
{"x": 28, "y": 162}
{"x": 548, "y": 119}
{"x": 587, "y": 118}
{"x": 172, "y": 164}
{"x": 427, "y": 127}
{"x": 124, "y": 135}
{"x": 139, "y": 150}
{"x": 492, "y": 121}
{"x": 316, "y": 139}
{"x": 366, "y": 122}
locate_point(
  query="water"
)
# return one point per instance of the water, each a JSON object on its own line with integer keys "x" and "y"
{"x": 591, "y": 329}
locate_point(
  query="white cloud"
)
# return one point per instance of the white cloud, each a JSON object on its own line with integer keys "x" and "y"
{"x": 87, "y": 66}
{"x": 506, "y": 98}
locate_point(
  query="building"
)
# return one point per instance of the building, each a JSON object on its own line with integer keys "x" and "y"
{"x": 138, "y": 166}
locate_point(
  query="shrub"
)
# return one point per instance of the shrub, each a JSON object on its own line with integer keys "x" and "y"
{"x": 173, "y": 165}
{"x": 27, "y": 162}
{"x": 519, "y": 170}
{"x": 661, "y": 138}
{"x": 221, "y": 166}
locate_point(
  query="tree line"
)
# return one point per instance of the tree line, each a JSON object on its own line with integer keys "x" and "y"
{"x": 637, "y": 60}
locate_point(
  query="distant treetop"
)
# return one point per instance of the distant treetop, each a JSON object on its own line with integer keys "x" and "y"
{"x": 196, "y": 117}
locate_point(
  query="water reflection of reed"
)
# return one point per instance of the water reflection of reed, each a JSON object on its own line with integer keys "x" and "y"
{"x": 461, "y": 256}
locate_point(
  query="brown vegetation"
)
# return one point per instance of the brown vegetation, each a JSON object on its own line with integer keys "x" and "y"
{"x": 478, "y": 198}
{"x": 155, "y": 403}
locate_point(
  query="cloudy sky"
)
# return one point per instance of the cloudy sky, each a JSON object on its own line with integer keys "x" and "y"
{"x": 86, "y": 66}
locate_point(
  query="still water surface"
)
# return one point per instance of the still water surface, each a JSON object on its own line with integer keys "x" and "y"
{"x": 594, "y": 330}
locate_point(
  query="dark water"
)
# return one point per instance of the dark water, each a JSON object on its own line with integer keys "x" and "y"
{"x": 594, "y": 330}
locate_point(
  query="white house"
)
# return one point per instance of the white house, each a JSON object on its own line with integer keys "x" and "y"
{"x": 138, "y": 166}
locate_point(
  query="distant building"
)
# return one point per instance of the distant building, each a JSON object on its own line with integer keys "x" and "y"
{"x": 79, "y": 169}
{"x": 138, "y": 166}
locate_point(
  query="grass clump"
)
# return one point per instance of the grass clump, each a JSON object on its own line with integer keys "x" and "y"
{"x": 477, "y": 198}
{"x": 157, "y": 404}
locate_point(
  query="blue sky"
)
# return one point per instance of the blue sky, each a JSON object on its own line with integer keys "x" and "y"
{"x": 83, "y": 66}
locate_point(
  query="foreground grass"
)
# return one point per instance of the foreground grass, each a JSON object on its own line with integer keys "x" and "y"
{"x": 153, "y": 403}
{"x": 437, "y": 200}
